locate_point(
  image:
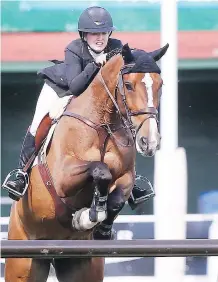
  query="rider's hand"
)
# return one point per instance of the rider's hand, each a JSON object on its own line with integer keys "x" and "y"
{"x": 101, "y": 59}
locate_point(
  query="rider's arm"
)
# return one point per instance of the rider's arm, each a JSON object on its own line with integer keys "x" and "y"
{"x": 77, "y": 79}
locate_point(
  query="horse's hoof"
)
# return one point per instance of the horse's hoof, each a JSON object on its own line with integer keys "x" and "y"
{"x": 99, "y": 234}
{"x": 113, "y": 234}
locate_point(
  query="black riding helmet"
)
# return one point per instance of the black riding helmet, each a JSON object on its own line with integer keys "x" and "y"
{"x": 95, "y": 19}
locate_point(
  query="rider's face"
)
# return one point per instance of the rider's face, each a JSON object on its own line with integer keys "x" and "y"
{"x": 97, "y": 41}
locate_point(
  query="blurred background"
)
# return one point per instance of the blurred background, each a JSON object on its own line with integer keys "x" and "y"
{"x": 34, "y": 32}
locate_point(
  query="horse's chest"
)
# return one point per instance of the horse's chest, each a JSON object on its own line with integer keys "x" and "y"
{"x": 120, "y": 160}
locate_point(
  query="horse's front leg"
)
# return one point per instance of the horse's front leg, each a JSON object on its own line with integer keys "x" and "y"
{"x": 87, "y": 218}
{"x": 116, "y": 201}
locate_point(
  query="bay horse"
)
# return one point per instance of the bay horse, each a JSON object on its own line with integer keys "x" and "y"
{"x": 86, "y": 174}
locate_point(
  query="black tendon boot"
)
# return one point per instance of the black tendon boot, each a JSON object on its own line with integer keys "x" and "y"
{"x": 141, "y": 192}
{"x": 17, "y": 180}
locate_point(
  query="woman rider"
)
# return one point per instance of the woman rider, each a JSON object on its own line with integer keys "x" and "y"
{"x": 83, "y": 59}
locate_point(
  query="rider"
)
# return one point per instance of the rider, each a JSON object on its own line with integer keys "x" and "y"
{"x": 83, "y": 59}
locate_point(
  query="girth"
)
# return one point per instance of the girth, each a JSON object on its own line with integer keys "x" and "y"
{"x": 63, "y": 209}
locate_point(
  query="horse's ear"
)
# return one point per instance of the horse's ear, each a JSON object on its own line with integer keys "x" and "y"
{"x": 127, "y": 54}
{"x": 158, "y": 54}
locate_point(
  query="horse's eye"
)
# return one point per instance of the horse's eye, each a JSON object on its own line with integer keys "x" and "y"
{"x": 129, "y": 86}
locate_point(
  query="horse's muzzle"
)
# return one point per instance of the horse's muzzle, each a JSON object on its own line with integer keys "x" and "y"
{"x": 146, "y": 148}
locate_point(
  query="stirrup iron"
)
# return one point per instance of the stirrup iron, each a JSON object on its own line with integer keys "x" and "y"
{"x": 17, "y": 172}
{"x": 150, "y": 193}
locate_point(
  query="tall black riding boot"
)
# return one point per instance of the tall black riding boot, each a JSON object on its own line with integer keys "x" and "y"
{"x": 18, "y": 185}
{"x": 141, "y": 192}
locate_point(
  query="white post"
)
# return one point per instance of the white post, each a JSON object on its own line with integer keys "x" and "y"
{"x": 170, "y": 173}
{"x": 169, "y": 73}
{"x": 212, "y": 262}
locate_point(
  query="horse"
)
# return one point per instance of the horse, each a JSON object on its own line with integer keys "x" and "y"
{"x": 85, "y": 172}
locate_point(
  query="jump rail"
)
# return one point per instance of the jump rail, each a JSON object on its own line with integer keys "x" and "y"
{"x": 120, "y": 248}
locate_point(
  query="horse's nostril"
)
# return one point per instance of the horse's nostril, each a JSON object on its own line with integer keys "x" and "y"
{"x": 150, "y": 153}
{"x": 144, "y": 140}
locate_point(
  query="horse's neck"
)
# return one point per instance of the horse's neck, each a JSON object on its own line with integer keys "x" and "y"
{"x": 95, "y": 104}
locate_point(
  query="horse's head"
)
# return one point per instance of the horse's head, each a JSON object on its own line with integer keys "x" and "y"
{"x": 140, "y": 89}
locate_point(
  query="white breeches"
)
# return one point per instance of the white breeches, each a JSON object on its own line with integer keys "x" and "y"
{"x": 48, "y": 102}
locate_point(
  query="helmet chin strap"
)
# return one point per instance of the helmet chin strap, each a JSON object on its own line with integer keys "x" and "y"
{"x": 93, "y": 50}
{"x": 95, "y": 54}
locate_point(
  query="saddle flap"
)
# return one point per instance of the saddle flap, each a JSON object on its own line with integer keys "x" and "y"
{"x": 42, "y": 131}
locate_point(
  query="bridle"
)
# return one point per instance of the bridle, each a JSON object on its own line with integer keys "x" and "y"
{"x": 126, "y": 117}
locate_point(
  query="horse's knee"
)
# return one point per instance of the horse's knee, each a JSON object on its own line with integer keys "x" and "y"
{"x": 100, "y": 172}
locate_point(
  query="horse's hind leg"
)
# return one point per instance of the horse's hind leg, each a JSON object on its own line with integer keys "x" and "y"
{"x": 26, "y": 270}
{"x": 80, "y": 269}
{"x": 23, "y": 269}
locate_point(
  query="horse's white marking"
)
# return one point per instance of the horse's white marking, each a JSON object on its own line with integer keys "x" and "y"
{"x": 85, "y": 223}
{"x": 153, "y": 130}
{"x": 148, "y": 81}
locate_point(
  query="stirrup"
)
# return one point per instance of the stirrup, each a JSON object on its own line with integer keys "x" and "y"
{"x": 149, "y": 191}
{"x": 18, "y": 173}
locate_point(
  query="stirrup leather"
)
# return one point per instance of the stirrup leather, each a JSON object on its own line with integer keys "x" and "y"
{"x": 17, "y": 173}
